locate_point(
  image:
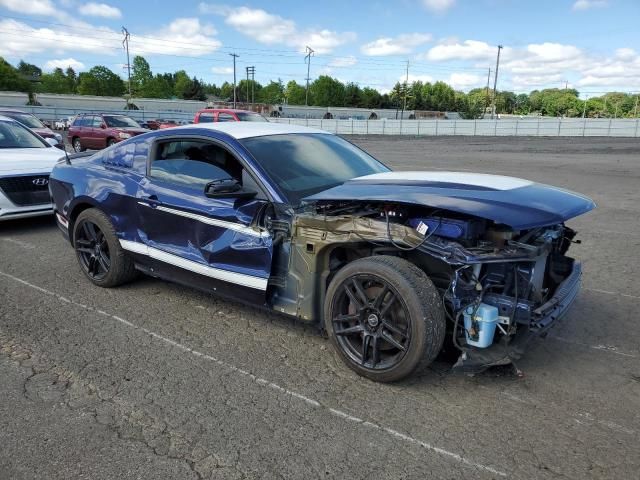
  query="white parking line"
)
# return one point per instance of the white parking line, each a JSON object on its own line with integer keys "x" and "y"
{"x": 607, "y": 292}
{"x": 603, "y": 348}
{"x": 266, "y": 383}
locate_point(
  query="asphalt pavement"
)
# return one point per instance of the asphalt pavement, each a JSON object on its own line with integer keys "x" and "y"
{"x": 153, "y": 380}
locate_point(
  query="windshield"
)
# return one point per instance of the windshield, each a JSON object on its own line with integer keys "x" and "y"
{"x": 250, "y": 117}
{"x": 120, "y": 121}
{"x": 26, "y": 119}
{"x": 14, "y": 135}
{"x": 304, "y": 164}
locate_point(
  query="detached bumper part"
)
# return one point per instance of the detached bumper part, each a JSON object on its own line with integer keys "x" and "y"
{"x": 503, "y": 352}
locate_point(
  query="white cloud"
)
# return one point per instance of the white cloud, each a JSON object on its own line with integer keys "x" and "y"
{"x": 342, "y": 62}
{"x": 222, "y": 70}
{"x": 587, "y": 4}
{"x": 467, "y": 50}
{"x": 63, "y": 63}
{"x": 30, "y": 7}
{"x": 99, "y": 10}
{"x": 272, "y": 29}
{"x": 465, "y": 81}
{"x": 183, "y": 36}
{"x": 400, "y": 45}
{"x": 438, "y": 6}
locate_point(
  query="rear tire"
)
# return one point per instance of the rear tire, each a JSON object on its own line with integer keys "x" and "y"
{"x": 384, "y": 317}
{"x": 111, "y": 141}
{"x": 77, "y": 145}
{"x": 101, "y": 258}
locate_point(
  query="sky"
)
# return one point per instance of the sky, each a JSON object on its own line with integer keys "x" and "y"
{"x": 590, "y": 45}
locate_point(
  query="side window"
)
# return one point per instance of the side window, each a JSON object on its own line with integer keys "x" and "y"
{"x": 193, "y": 162}
{"x": 226, "y": 117}
{"x": 96, "y": 122}
{"x": 205, "y": 117}
{"x": 79, "y": 122}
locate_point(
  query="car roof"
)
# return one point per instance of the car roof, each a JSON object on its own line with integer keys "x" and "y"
{"x": 13, "y": 110}
{"x": 234, "y": 110}
{"x": 239, "y": 130}
{"x": 7, "y": 119}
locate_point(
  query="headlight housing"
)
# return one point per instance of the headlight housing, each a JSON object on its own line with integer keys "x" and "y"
{"x": 124, "y": 135}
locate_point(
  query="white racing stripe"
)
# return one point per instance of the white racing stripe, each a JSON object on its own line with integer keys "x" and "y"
{"x": 217, "y": 273}
{"x": 273, "y": 386}
{"x": 236, "y": 227}
{"x": 498, "y": 182}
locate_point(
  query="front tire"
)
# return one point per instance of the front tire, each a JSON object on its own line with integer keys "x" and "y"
{"x": 385, "y": 317}
{"x": 111, "y": 141}
{"x": 101, "y": 258}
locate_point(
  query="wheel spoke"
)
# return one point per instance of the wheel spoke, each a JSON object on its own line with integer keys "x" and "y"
{"x": 389, "y": 339}
{"x": 363, "y": 296}
{"x": 352, "y": 297}
{"x": 377, "y": 303}
{"x": 349, "y": 330}
{"x": 102, "y": 263}
{"x": 83, "y": 241}
{"x": 85, "y": 250}
{"x": 346, "y": 318}
{"x": 366, "y": 340}
{"x": 92, "y": 265}
{"x": 395, "y": 330}
{"x": 89, "y": 231}
{"x": 387, "y": 305}
{"x": 376, "y": 350}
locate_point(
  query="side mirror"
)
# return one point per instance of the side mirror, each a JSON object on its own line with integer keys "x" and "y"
{"x": 52, "y": 141}
{"x": 103, "y": 125}
{"x": 227, "y": 188}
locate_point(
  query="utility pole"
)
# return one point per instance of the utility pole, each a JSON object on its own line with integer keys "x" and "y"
{"x": 234, "y": 55}
{"x": 635, "y": 110}
{"x": 495, "y": 83}
{"x": 584, "y": 109}
{"x": 251, "y": 71}
{"x": 307, "y": 59}
{"x": 406, "y": 87}
{"x": 486, "y": 101}
{"x": 125, "y": 44}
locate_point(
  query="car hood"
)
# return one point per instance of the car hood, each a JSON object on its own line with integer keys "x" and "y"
{"x": 515, "y": 202}
{"x": 44, "y": 132}
{"x": 19, "y": 161}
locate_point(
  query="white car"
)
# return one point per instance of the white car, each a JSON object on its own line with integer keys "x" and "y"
{"x": 26, "y": 160}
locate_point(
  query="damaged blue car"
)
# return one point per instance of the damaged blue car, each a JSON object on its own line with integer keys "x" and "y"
{"x": 394, "y": 265}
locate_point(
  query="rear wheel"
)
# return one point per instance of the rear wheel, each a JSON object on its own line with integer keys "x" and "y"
{"x": 77, "y": 145}
{"x": 99, "y": 253}
{"x": 111, "y": 141}
{"x": 384, "y": 317}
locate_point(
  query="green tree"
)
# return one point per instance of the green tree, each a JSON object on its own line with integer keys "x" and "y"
{"x": 29, "y": 71}
{"x": 326, "y": 91}
{"x": 371, "y": 98}
{"x": 12, "y": 80}
{"x": 141, "y": 75}
{"x": 226, "y": 91}
{"x": 353, "y": 95}
{"x": 100, "y": 81}
{"x": 158, "y": 87}
{"x": 295, "y": 94}
{"x": 195, "y": 91}
{"x": 72, "y": 80}
{"x": 273, "y": 93}
{"x": 182, "y": 84}
{"x": 241, "y": 90}
{"x": 54, "y": 82}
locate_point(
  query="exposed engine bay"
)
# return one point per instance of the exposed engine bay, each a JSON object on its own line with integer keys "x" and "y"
{"x": 499, "y": 286}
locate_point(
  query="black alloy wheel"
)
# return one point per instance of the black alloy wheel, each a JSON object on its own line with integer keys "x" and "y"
{"x": 384, "y": 316}
{"x": 93, "y": 250}
{"x": 77, "y": 145}
{"x": 370, "y": 321}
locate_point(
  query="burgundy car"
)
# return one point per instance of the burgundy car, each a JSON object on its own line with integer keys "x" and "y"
{"x": 96, "y": 131}
{"x": 32, "y": 122}
{"x": 210, "y": 115}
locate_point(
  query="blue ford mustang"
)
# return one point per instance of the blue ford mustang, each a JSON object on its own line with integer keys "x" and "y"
{"x": 395, "y": 265}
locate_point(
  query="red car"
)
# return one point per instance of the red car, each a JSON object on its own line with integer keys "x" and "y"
{"x": 32, "y": 122}
{"x": 96, "y": 131}
{"x": 210, "y": 115}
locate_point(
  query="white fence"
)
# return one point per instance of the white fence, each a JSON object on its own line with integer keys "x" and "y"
{"x": 538, "y": 127}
